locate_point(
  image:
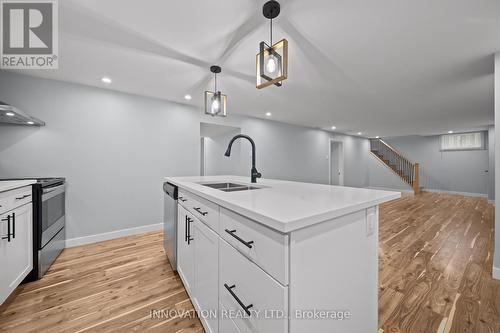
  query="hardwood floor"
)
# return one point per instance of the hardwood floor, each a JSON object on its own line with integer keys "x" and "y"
{"x": 435, "y": 276}
{"x": 105, "y": 287}
{"x": 436, "y": 253}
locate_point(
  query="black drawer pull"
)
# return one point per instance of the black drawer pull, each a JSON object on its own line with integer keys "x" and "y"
{"x": 198, "y": 209}
{"x": 182, "y": 199}
{"x": 245, "y": 307}
{"x": 13, "y": 225}
{"x": 24, "y": 196}
{"x": 233, "y": 233}
{"x": 189, "y": 238}
{"x": 8, "y": 228}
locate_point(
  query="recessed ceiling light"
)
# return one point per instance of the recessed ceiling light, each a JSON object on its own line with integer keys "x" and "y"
{"x": 450, "y": 132}
{"x": 106, "y": 80}
{"x": 360, "y": 133}
{"x": 10, "y": 114}
{"x": 333, "y": 127}
{"x": 30, "y": 123}
{"x": 268, "y": 114}
{"x": 188, "y": 97}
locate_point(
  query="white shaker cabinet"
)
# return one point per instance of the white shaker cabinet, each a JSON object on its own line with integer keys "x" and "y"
{"x": 285, "y": 257}
{"x": 198, "y": 255}
{"x": 185, "y": 249}
{"x": 206, "y": 258}
{"x": 16, "y": 239}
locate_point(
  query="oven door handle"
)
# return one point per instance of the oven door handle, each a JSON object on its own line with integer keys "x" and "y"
{"x": 51, "y": 192}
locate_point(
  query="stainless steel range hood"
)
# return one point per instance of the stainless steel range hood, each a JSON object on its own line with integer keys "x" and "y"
{"x": 12, "y": 115}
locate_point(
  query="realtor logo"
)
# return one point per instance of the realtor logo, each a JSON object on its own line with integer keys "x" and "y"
{"x": 29, "y": 38}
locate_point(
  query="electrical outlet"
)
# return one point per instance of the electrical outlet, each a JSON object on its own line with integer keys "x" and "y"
{"x": 370, "y": 221}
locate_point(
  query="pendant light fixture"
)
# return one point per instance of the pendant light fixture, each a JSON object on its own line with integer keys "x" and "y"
{"x": 272, "y": 60}
{"x": 215, "y": 102}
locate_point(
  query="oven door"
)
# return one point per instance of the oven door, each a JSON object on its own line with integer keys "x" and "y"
{"x": 53, "y": 212}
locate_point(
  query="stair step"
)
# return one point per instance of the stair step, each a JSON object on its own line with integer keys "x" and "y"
{"x": 392, "y": 159}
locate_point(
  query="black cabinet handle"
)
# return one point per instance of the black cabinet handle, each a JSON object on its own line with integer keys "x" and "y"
{"x": 198, "y": 209}
{"x": 182, "y": 199}
{"x": 185, "y": 228}
{"x": 8, "y": 228}
{"x": 189, "y": 238}
{"x": 233, "y": 233}
{"x": 13, "y": 225}
{"x": 245, "y": 307}
{"x": 24, "y": 196}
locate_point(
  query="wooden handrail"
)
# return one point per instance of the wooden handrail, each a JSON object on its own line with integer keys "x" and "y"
{"x": 395, "y": 150}
{"x": 402, "y": 166}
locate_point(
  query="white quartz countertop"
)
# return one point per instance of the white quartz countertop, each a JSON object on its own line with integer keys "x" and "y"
{"x": 285, "y": 205}
{"x": 7, "y": 185}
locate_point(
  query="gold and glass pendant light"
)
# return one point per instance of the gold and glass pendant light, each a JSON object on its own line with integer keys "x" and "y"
{"x": 215, "y": 102}
{"x": 272, "y": 59}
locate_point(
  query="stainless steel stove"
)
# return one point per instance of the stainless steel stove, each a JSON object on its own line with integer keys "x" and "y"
{"x": 49, "y": 221}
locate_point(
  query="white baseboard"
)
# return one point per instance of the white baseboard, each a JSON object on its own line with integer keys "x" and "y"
{"x": 496, "y": 273}
{"x": 467, "y": 194}
{"x": 390, "y": 189}
{"x": 112, "y": 235}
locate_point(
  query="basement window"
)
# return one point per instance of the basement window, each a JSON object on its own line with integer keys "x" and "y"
{"x": 462, "y": 141}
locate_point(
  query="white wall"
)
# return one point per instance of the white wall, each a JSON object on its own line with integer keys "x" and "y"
{"x": 496, "y": 260}
{"x": 491, "y": 167}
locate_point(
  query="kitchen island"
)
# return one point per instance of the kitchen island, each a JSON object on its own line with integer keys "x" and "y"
{"x": 279, "y": 256}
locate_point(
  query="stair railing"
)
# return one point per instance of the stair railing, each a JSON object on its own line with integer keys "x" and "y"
{"x": 406, "y": 169}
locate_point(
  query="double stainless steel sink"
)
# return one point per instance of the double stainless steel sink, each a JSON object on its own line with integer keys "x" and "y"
{"x": 230, "y": 187}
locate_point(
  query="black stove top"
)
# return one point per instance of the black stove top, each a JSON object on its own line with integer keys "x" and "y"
{"x": 44, "y": 182}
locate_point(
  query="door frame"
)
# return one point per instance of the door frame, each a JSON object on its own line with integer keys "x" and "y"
{"x": 202, "y": 156}
{"x": 341, "y": 161}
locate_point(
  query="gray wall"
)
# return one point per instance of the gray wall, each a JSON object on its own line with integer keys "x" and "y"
{"x": 496, "y": 259}
{"x": 455, "y": 171}
{"x": 215, "y": 161}
{"x": 300, "y": 153}
{"x": 115, "y": 148}
{"x": 384, "y": 178}
{"x": 296, "y": 153}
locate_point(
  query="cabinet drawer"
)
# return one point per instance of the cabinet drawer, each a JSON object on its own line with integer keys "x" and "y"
{"x": 206, "y": 211}
{"x": 265, "y": 247}
{"x": 226, "y": 324}
{"x": 15, "y": 198}
{"x": 242, "y": 285}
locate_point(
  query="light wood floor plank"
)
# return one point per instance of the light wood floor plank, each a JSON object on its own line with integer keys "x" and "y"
{"x": 436, "y": 253}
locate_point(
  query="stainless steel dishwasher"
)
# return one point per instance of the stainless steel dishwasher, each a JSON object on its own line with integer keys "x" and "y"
{"x": 170, "y": 223}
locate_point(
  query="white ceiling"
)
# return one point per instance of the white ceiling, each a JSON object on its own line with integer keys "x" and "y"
{"x": 386, "y": 67}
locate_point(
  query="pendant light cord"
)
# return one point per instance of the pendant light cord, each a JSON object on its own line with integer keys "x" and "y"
{"x": 215, "y": 83}
{"x": 271, "y": 33}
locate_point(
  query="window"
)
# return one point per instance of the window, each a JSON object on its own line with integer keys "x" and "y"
{"x": 462, "y": 141}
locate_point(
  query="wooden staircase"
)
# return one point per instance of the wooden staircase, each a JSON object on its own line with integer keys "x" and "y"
{"x": 407, "y": 170}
